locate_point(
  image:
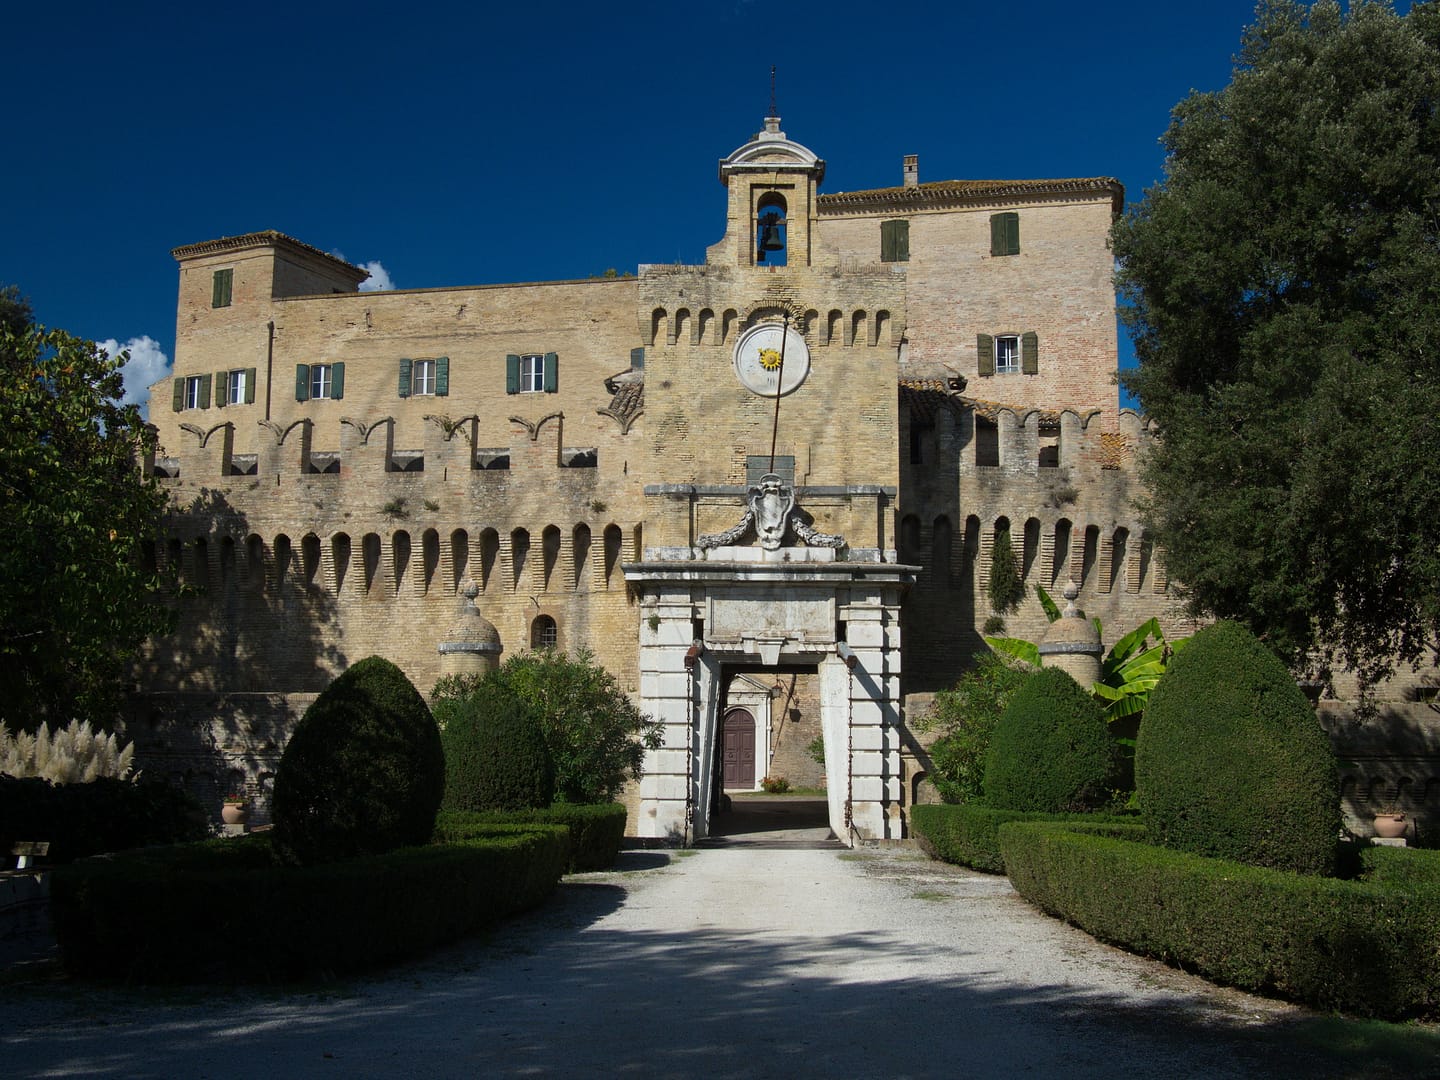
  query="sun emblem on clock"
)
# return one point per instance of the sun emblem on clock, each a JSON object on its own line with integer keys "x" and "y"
{"x": 770, "y": 359}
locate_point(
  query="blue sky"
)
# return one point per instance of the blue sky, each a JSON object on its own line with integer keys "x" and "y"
{"x": 456, "y": 144}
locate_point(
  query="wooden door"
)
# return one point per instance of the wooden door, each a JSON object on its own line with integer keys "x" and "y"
{"x": 739, "y": 750}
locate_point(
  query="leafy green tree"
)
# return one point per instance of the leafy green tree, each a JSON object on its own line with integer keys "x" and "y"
{"x": 596, "y": 735}
{"x": 1283, "y": 288}
{"x": 966, "y": 715}
{"x": 75, "y": 600}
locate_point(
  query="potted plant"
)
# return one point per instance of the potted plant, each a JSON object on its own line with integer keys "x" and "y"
{"x": 234, "y": 811}
{"x": 1390, "y": 823}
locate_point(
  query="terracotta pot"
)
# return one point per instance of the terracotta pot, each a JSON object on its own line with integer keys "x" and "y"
{"x": 1389, "y": 826}
{"x": 234, "y": 813}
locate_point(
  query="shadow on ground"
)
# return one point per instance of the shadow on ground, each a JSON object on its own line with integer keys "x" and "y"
{"x": 788, "y": 821}
{"x": 560, "y": 994}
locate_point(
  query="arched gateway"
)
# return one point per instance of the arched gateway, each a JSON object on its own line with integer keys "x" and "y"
{"x": 715, "y": 608}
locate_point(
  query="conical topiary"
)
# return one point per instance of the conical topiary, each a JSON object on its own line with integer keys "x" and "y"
{"x": 1052, "y": 751}
{"x": 495, "y": 753}
{"x": 1231, "y": 761}
{"x": 363, "y": 773}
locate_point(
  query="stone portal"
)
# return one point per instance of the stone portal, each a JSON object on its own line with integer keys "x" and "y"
{"x": 713, "y": 609}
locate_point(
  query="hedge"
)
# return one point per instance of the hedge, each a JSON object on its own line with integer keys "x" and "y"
{"x": 1231, "y": 762}
{"x": 968, "y": 834}
{"x": 363, "y": 772}
{"x": 596, "y": 829}
{"x": 104, "y": 815}
{"x": 1369, "y": 947}
{"x": 1052, "y": 752}
{"x": 231, "y": 910}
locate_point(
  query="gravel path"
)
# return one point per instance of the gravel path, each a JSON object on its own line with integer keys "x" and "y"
{"x": 730, "y": 962}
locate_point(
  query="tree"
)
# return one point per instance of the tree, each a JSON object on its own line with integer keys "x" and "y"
{"x": 1282, "y": 285}
{"x": 596, "y": 736}
{"x": 75, "y": 600}
{"x": 966, "y": 716}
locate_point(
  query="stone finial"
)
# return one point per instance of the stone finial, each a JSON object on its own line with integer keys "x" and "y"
{"x": 472, "y": 644}
{"x": 1072, "y": 643}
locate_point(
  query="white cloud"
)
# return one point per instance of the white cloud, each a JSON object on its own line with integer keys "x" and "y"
{"x": 379, "y": 279}
{"x": 147, "y": 363}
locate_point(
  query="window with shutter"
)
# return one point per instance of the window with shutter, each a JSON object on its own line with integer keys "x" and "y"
{"x": 1007, "y": 354}
{"x": 337, "y": 381}
{"x": 302, "y": 382}
{"x": 194, "y": 392}
{"x": 406, "y": 368}
{"x": 250, "y": 386}
{"x": 895, "y": 241}
{"x": 552, "y": 373}
{"x": 512, "y": 374}
{"x": 1005, "y": 233}
{"x": 985, "y": 354}
{"x": 1030, "y": 353}
{"x": 637, "y": 359}
{"x": 220, "y": 287}
{"x": 222, "y": 388}
{"x": 442, "y": 376}
{"x": 179, "y": 402}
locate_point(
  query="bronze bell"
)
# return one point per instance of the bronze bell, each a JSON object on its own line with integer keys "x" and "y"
{"x": 770, "y": 238}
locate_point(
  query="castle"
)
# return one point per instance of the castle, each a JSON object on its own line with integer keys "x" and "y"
{"x": 764, "y": 491}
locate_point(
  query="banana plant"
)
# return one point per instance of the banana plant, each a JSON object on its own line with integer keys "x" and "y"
{"x": 1127, "y": 674}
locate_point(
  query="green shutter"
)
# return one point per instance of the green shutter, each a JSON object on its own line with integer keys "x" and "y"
{"x": 1005, "y": 233}
{"x": 512, "y": 373}
{"x": 302, "y": 382}
{"x": 442, "y": 376}
{"x": 552, "y": 373}
{"x": 222, "y": 391}
{"x": 220, "y": 288}
{"x": 1029, "y": 353}
{"x": 179, "y": 395}
{"x": 637, "y": 359}
{"x": 337, "y": 381}
{"x": 250, "y": 386}
{"x": 405, "y": 368}
{"x": 985, "y": 354}
{"x": 205, "y": 383}
{"x": 895, "y": 241}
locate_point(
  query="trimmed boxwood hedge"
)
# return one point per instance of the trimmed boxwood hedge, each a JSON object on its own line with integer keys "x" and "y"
{"x": 1231, "y": 761}
{"x": 969, "y": 834}
{"x": 232, "y": 910}
{"x": 104, "y": 815}
{"x": 1052, "y": 752}
{"x": 1369, "y": 947}
{"x": 495, "y": 753}
{"x": 364, "y": 771}
{"x": 596, "y": 829}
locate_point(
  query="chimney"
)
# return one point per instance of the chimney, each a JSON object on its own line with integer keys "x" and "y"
{"x": 912, "y": 170}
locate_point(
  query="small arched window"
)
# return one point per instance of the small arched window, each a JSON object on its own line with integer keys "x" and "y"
{"x": 544, "y": 634}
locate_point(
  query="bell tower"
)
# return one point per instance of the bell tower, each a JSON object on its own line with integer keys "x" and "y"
{"x": 770, "y": 219}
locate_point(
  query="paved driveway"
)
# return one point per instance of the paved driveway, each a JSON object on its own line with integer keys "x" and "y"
{"x": 734, "y": 961}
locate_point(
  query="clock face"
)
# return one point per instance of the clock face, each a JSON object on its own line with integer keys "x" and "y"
{"x": 758, "y": 363}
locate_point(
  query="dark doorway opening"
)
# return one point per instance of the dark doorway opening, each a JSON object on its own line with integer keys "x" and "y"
{"x": 772, "y": 821}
